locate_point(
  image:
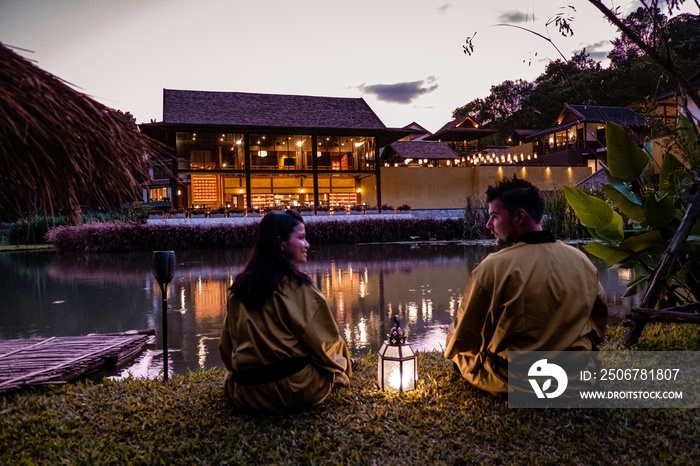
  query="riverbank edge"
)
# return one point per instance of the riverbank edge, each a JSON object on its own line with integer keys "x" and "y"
{"x": 444, "y": 421}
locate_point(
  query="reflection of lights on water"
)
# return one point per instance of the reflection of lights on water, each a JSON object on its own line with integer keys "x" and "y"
{"x": 340, "y": 277}
{"x": 366, "y": 275}
{"x": 625, "y": 275}
{"x": 201, "y": 352}
{"x": 452, "y": 306}
{"x": 362, "y": 329}
{"x": 183, "y": 309}
{"x": 427, "y": 308}
{"x": 412, "y": 311}
{"x": 348, "y": 333}
{"x": 362, "y": 290}
{"x": 341, "y": 306}
{"x": 199, "y": 285}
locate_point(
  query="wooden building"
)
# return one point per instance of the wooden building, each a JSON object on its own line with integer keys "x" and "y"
{"x": 251, "y": 150}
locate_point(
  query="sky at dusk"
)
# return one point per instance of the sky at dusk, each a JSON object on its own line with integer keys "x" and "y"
{"x": 404, "y": 58}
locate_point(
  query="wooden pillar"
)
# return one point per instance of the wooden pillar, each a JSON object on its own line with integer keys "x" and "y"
{"x": 314, "y": 168}
{"x": 377, "y": 177}
{"x": 248, "y": 168}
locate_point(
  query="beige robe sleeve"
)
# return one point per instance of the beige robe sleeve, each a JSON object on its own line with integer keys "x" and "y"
{"x": 465, "y": 336}
{"x": 322, "y": 336}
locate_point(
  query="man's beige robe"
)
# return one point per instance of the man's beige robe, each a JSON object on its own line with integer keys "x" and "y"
{"x": 527, "y": 297}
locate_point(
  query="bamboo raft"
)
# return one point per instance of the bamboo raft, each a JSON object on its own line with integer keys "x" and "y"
{"x": 56, "y": 360}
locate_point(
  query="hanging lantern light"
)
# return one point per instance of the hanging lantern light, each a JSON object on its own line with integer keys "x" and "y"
{"x": 397, "y": 369}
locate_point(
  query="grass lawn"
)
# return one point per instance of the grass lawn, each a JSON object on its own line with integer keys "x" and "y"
{"x": 445, "y": 421}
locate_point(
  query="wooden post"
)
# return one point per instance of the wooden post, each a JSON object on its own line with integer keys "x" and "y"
{"x": 663, "y": 271}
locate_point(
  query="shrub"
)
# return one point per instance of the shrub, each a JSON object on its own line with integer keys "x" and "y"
{"x": 220, "y": 210}
{"x": 339, "y": 208}
{"x": 356, "y": 208}
{"x": 387, "y": 207}
{"x": 155, "y": 212}
{"x": 133, "y": 236}
{"x": 235, "y": 210}
{"x": 404, "y": 207}
{"x": 179, "y": 210}
{"x": 198, "y": 212}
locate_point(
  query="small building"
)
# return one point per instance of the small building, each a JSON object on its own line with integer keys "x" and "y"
{"x": 578, "y": 136}
{"x": 249, "y": 150}
{"x": 418, "y": 153}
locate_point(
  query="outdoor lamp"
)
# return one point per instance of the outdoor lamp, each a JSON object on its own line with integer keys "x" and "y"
{"x": 397, "y": 370}
{"x": 163, "y": 267}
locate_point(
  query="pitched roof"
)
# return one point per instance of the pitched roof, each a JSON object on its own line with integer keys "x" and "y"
{"x": 571, "y": 115}
{"x": 619, "y": 115}
{"x": 462, "y": 129}
{"x": 268, "y": 110}
{"x": 423, "y": 150}
{"x": 416, "y": 128}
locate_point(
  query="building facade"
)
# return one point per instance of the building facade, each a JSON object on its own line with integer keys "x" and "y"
{"x": 257, "y": 151}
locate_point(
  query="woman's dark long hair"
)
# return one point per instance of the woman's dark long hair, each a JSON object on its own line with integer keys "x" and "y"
{"x": 268, "y": 265}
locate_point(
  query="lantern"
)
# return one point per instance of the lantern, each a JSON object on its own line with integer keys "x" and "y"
{"x": 397, "y": 369}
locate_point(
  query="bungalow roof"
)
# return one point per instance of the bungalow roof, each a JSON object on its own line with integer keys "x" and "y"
{"x": 572, "y": 115}
{"x": 423, "y": 150}
{"x": 267, "y": 110}
{"x": 464, "y": 129}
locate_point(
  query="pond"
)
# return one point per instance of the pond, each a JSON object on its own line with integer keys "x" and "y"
{"x": 47, "y": 294}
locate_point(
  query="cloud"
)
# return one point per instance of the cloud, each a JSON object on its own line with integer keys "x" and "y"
{"x": 400, "y": 93}
{"x": 516, "y": 17}
{"x": 599, "y": 50}
{"x": 442, "y": 9}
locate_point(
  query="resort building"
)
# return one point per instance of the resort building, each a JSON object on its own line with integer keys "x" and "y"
{"x": 577, "y": 138}
{"x": 246, "y": 150}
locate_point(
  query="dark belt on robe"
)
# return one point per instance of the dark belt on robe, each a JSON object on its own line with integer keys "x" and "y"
{"x": 271, "y": 372}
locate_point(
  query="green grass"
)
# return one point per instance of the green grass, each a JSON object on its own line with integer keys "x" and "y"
{"x": 445, "y": 421}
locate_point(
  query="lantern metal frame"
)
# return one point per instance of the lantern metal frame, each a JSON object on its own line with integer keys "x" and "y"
{"x": 396, "y": 355}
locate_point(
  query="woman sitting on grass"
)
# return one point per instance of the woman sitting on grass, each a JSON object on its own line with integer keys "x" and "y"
{"x": 280, "y": 342}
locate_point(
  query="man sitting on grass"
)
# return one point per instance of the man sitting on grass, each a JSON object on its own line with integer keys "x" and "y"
{"x": 534, "y": 294}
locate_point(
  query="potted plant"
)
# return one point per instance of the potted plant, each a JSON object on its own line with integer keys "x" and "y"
{"x": 339, "y": 210}
{"x": 323, "y": 210}
{"x": 403, "y": 209}
{"x": 371, "y": 210}
{"x": 156, "y": 214}
{"x": 198, "y": 213}
{"x": 235, "y": 212}
{"x": 304, "y": 210}
{"x": 356, "y": 209}
{"x": 177, "y": 213}
{"x": 387, "y": 209}
{"x": 218, "y": 213}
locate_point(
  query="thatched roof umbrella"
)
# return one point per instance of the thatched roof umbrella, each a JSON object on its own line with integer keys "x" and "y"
{"x": 60, "y": 148}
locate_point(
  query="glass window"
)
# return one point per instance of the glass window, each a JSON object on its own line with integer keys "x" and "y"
{"x": 345, "y": 153}
{"x": 210, "y": 151}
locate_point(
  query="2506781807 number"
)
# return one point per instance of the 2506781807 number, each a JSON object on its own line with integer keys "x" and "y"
{"x": 639, "y": 374}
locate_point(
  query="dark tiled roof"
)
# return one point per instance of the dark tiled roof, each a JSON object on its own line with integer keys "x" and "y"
{"x": 416, "y": 128}
{"x": 423, "y": 150}
{"x": 266, "y": 110}
{"x": 622, "y": 116}
{"x": 619, "y": 115}
{"x": 463, "y": 129}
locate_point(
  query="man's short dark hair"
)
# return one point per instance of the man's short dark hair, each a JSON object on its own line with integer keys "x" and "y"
{"x": 518, "y": 194}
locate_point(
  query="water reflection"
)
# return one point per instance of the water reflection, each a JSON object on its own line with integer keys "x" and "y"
{"x": 56, "y": 295}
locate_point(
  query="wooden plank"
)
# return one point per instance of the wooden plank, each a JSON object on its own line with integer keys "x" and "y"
{"x": 54, "y": 360}
{"x": 24, "y": 348}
